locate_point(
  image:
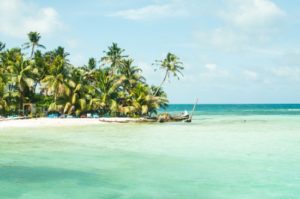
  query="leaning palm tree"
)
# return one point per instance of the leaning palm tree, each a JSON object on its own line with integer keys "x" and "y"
{"x": 171, "y": 65}
{"x": 161, "y": 97}
{"x": 34, "y": 38}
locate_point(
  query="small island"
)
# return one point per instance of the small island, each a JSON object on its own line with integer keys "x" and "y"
{"x": 36, "y": 84}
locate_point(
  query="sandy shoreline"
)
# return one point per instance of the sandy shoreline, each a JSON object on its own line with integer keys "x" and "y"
{"x": 58, "y": 122}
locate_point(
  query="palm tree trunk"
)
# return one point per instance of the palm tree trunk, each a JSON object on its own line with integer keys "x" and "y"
{"x": 55, "y": 98}
{"x": 165, "y": 78}
{"x": 21, "y": 103}
{"x": 32, "y": 51}
{"x": 34, "y": 87}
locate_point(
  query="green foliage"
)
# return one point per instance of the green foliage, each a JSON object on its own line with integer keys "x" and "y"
{"x": 2, "y": 46}
{"x": 115, "y": 87}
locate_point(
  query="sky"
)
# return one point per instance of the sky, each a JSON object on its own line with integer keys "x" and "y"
{"x": 234, "y": 51}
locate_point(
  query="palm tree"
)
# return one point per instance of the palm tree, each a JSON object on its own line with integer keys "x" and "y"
{"x": 89, "y": 71}
{"x": 3, "y": 103}
{"x": 70, "y": 101}
{"x": 108, "y": 87}
{"x": 57, "y": 82}
{"x": 60, "y": 51}
{"x": 171, "y": 65}
{"x": 40, "y": 66}
{"x": 131, "y": 73}
{"x": 114, "y": 56}
{"x": 2, "y": 46}
{"x": 117, "y": 89}
{"x": 143, "y": 101}
{"x": 82, "y": 97}
{"x": 21, "y": 75}
{"x": 2, "y": 54}
{"x": 92, "y": 64}
{"x": 34, "y": 38}
{"x": 2, "y": 67}
{"x": 161, "y": 96}
{"x": 56, "y": 79}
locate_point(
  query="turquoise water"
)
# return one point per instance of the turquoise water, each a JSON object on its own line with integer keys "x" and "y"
{"x": 218, "y": 156}
{"x": 238, "y": 109}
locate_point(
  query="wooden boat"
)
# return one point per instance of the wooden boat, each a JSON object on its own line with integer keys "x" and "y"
{"x": 178, "y": 118}
{"x": 148, "y": 119}
{"x": 166, "y": 117}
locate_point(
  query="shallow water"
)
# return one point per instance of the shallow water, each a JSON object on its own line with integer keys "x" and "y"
{"x": 217, "y": 157}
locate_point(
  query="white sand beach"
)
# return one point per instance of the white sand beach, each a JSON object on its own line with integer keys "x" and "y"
{"x": 47, "y": 122}
{"x": 59, "y": 122}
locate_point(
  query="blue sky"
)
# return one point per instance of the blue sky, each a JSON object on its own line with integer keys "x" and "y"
{"x": 234, "y": 51}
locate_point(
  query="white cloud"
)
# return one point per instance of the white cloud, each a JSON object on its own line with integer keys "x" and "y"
{"x": 211, "y": 67}
{"x": 213, "y": 71}
{"x": 247, "y": 25}
{"x": 205, "y": 73}
{"x": 223, "y": 38}
{"x": 292, "y": 73}
{"x": 249, "y": 13}
{"x": 172, "y": 9}
{"x": 18, "y": 17}
{"x": 250, "y": 75}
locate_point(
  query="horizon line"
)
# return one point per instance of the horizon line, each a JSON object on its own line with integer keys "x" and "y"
{"x": 298, "y": 103}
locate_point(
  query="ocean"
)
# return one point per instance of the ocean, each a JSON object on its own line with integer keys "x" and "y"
{"x": 237, "y": 109}
{"x": 227, "y": 152}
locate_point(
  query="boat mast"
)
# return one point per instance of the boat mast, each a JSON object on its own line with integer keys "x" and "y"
{"x": 190, "y": 118}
